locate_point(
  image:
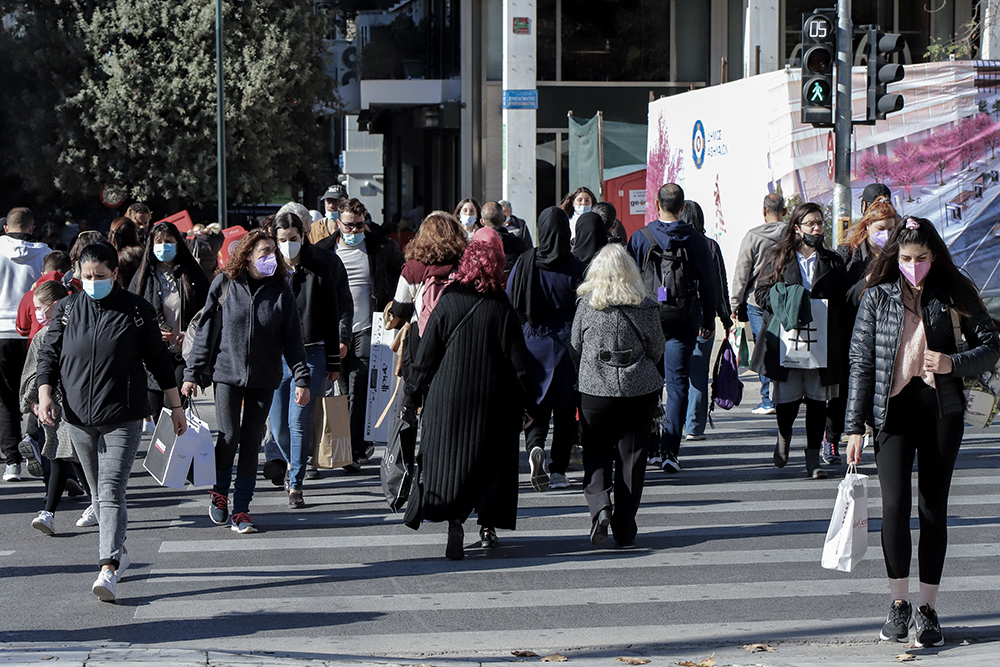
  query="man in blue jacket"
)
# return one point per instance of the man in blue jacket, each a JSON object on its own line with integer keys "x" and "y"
{"x": 678, "y": 270}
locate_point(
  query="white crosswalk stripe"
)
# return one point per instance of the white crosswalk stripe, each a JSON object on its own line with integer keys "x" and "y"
{"x": 728, "y": 549}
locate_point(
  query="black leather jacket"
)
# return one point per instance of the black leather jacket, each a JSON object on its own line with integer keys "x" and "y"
{"x": 876, "y": 341}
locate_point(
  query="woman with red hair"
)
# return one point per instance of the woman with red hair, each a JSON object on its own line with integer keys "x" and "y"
{"x": 472, "y": 377}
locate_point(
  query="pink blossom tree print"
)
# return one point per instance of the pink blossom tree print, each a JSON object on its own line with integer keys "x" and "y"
{"x": 664, "y": 166}
{"x": 907, "y": 169}
{"x": 940, "y": 152}
{"x": 874, "y": 166}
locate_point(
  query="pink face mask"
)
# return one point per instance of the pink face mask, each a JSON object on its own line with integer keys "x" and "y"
{"x": 42, "y": 318}
{"x": 915, "y": 272}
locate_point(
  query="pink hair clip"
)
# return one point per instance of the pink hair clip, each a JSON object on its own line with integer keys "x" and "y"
{"x": 912, "y": 224}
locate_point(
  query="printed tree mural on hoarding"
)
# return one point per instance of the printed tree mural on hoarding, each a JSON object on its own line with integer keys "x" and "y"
{"x": 874, "y": 167}
{"x": 968, "y": 138}
{"x": 907, "y": 169}
{"x": 939, "y": 151}
{"x": 664, "y": 167}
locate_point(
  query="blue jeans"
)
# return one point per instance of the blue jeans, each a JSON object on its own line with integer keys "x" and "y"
{"x": 290, "y": 421}
{"x": 677, "y": 371}
{"x": 698, "y": 394}
{"x": 756, "y": 316}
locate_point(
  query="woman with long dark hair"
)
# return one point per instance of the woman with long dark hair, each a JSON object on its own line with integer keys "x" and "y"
{"x": 170, "y": 278}
{"x": 906, "y": 371}
{"x": 800, "y": 279}
{"x": 864, "y": 242}
{"x": 542, "y": 289}
{"x": 124, "y": 236}
{"x": 470, "y": 214}
{"x": 315, "y": 288}
{"x": 575, "y": 204}
{"x": 242, "y": 357}
{"x": 472, "y": 377}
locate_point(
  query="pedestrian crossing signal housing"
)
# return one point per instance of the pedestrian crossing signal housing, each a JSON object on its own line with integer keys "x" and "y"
{"x": 881, "y": 73}
{"x": 819, "y": 53}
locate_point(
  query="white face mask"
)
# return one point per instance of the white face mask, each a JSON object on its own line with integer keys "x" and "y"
{"x": 468, "y": 220}
{"x": 290, "y": 249}
{"x": 580, "y": 210}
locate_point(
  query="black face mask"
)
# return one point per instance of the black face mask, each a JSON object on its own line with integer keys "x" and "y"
{"x": 812, "y": 240}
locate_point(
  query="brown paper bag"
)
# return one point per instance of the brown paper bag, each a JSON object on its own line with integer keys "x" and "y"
{"x": 334, "y": 448}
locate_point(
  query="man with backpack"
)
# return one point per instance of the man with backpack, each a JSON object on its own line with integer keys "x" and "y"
{"x": 677, "y": 268}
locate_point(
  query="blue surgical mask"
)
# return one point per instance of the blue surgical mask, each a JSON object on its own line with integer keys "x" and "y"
{"x": 580, "y": 210}
{"x": 266, "y": 265}
{"x": 332, "y": 215}
{"x": 468, "y": 220}
{"x": 98, "y": 289}
{"x": 165, "y": 252}
{"x": 353, "y": 239}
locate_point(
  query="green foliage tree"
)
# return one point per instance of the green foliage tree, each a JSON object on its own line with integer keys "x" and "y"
{"x": 143, "y": 103}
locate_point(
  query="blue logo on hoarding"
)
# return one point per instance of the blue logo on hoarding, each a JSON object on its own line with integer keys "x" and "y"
{"x": 698, "y": 144}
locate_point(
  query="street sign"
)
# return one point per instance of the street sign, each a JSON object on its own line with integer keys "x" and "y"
{"x": 112, "y": 195}
{"x": 520, "y": 99}
{"x": 522, "y": 25}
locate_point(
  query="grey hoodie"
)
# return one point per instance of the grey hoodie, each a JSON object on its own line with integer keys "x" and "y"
{"x": 21, "y": 265}
{"x": 750, "y": 261}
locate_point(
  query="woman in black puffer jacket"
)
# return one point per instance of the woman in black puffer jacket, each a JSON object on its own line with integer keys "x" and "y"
{"x": 907, "y": 371}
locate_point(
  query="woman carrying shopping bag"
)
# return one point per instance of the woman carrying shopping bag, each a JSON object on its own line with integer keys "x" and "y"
{"x": 802, "y": 293}
{"x": 907, "y": 372}
{"x": 95, "y": 350}
{"x": 259, "y": 324}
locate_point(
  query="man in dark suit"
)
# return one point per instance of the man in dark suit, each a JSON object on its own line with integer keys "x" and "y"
{"x": 514, "y": 224}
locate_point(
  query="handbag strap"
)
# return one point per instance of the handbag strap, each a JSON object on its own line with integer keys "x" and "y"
{"x": 956, "y": 329}
{"x": 465, "y": 319}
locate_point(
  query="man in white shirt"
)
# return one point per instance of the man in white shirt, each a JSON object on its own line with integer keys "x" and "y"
{"x": 21, "y": 264}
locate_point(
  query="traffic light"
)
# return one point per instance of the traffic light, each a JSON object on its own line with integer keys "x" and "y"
{"x": 882, "y": 73}
{"x": 819, "y": 53}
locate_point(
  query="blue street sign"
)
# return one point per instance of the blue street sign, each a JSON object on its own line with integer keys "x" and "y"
{"x": 520, "y": 99}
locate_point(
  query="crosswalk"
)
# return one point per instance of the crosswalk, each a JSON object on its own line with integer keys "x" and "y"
{"x": 728, "y": 551}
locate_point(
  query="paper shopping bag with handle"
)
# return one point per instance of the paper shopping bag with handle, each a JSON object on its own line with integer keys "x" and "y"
{"x": 172, "y": 457}
{"x": 334, "y": 447}
{"x": 847, "y": 537}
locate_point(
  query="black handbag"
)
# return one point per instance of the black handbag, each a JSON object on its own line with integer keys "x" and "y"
{"x": 396, "y": 470}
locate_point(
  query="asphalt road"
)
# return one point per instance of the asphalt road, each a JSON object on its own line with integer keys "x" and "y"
{"x": 728, "y": 553}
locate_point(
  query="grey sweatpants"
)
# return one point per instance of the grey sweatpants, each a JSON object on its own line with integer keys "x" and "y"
{"x": 107, "y": 463}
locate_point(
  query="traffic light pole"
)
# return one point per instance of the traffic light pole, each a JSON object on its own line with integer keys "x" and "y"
{"x": 842, "y": 123}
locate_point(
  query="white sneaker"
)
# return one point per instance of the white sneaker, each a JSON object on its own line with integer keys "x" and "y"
{"x": 123, "y": 564}
{"x": 44, "y": 522}
{"x": 557, "y": 480}
{"x": 104, "y": 586}
{"x": 761, "y": 410}
{"x": 88, "y": 519}
{"x": 692, "y": 437}
{"x": 12, "y": 473}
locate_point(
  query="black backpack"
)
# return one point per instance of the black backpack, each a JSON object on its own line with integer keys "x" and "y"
{"x": 670, "y": 279}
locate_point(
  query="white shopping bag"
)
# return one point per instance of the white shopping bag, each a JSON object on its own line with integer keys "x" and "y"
{"x": 172, "y": 457}
{"x": 847, "y": 537}
{"x": 806, "y": 347}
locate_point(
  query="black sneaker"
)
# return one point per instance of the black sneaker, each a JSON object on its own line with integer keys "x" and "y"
{"x": 897, "y": 622}
{"x": 928, "y": 630}
{"x": 831, "y": 451}
{"x": 488, "y": 538}
{"x": 32, "y": 457}
{"x": 599, "y": 527}
{"x": 218, "y": 509}
{"x": 670, "y": 463}
{"x": 275, "y": 470}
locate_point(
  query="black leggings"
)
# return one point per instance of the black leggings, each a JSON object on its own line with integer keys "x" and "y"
{"x": 914, "y": 427}
{"x": 564, "y": 433}
{"x": 59, "y": 471}
{"x": 815, "y": 421}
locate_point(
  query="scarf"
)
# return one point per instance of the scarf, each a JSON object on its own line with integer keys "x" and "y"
{"x": 553, "y": 249}
{"x": 590, "y": 237}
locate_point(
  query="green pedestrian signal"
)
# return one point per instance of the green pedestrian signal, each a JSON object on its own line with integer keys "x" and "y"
{"x": 819, "y": 53}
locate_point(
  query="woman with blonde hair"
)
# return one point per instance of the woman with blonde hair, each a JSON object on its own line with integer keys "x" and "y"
{"x": 618, "y": 344}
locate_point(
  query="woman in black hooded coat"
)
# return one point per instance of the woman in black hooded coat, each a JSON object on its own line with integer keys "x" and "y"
{"x": 542, "y": 289}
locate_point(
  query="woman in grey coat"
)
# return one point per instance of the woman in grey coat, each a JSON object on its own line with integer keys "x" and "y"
{"x": 618, "y": 344}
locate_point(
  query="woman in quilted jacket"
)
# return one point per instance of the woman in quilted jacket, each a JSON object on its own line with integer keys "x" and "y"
{"x": 907, "y": 369}
{"x": 617, "y": 344}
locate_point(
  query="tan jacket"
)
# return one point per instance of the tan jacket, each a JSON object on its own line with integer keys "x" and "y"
{"x": 750, "y": 261}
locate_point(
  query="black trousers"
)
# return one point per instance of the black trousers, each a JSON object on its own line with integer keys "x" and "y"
{"x": 564, "y": 432}
{"x": 12, "y": 355}
{"x": 354, "y": 384}
{"x": 815, "y": 421}
{"x": 615, "y": 434}
{"x": 241, "y": 414}
{"x": 914, "y": 428}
